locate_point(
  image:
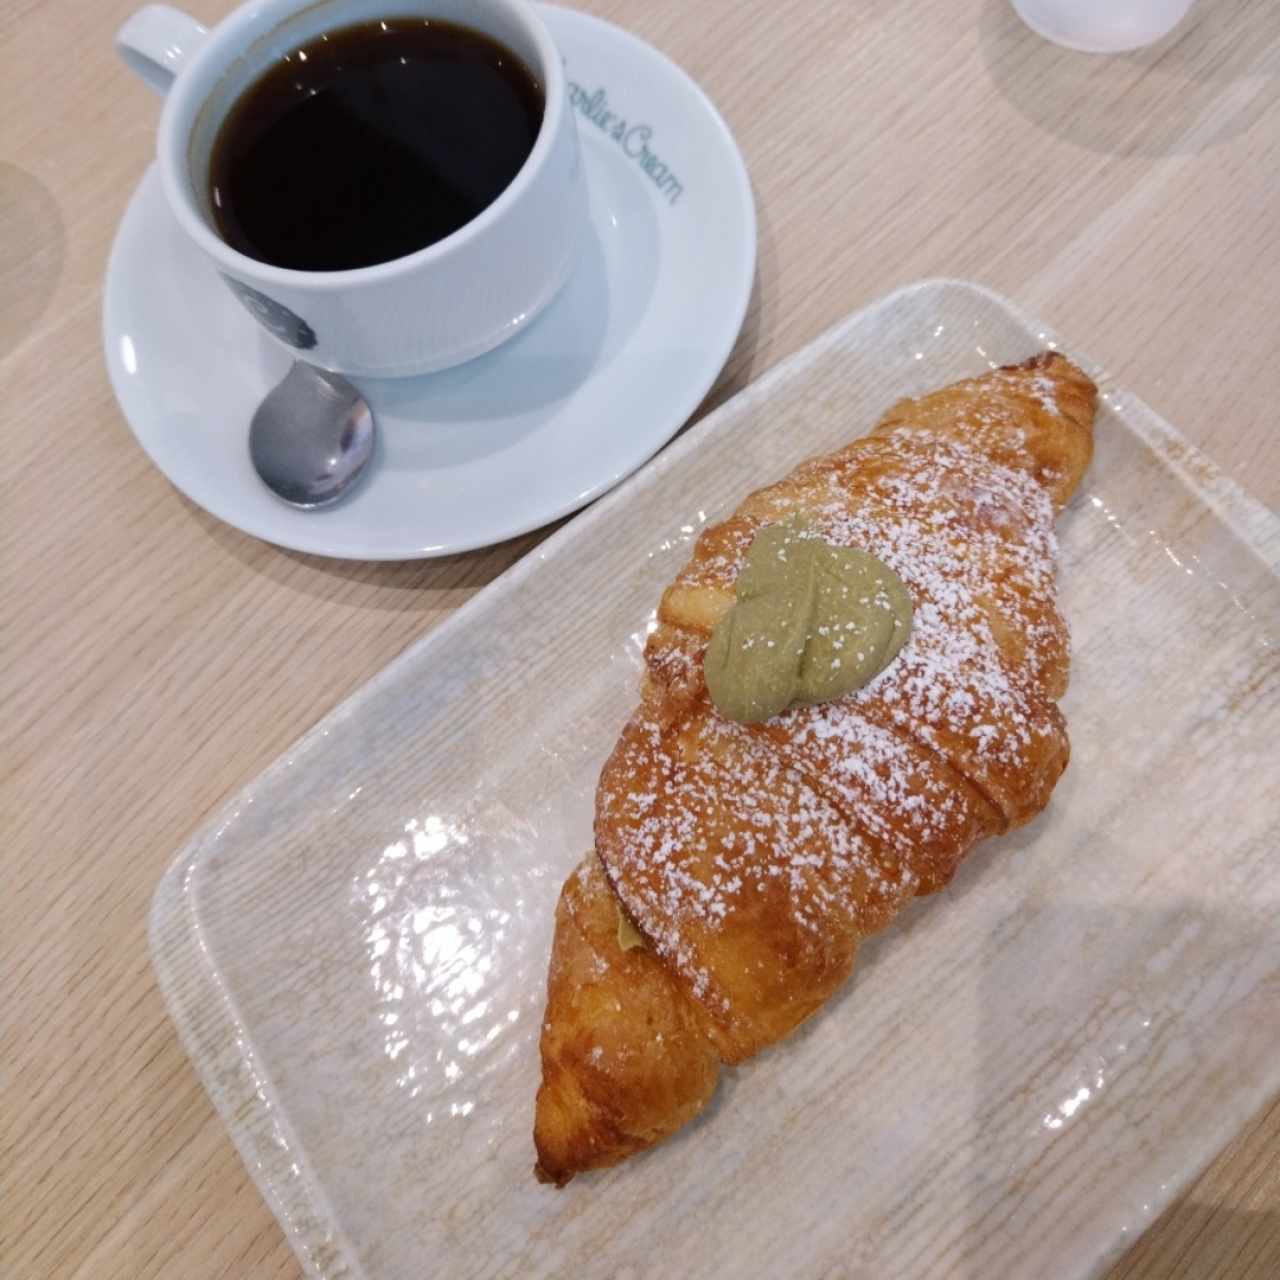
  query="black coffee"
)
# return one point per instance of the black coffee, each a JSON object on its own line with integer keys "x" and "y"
{"x": 371, "y": 142}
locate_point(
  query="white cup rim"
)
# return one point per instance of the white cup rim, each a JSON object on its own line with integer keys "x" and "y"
{"x": 239, "y": 29}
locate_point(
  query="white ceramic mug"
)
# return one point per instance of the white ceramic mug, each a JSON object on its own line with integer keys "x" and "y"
{"x": 444, "y": 304}
{"x": 1103, "y": 26}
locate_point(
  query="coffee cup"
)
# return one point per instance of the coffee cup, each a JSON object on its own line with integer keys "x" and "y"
{"x": 429, "y": 309}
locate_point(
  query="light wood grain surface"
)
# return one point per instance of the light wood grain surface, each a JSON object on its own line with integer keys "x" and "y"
{"x": 155, "y": 660}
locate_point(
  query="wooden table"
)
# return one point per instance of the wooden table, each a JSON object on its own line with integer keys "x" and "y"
{"x": 155, "y": 660}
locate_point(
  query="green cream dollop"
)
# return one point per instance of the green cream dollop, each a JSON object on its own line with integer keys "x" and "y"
{"x": 812, "y": 622}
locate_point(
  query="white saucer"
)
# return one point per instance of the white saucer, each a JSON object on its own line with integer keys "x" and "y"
{"x": 516, "y": 438}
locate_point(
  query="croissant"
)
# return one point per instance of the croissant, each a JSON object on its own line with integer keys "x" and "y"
{"x": 748, "y": 861}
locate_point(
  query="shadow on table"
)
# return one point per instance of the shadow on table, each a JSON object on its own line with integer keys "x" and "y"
{"x": 1212, "y": 79}
{"x": 1205, "y": 1243}
{"x": 33, "y": 246}
{"x": 401, "y": 586}
{"x": 740, "y": 369}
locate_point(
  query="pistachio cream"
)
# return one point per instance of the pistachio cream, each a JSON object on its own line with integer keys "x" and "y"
{"x": 628, "y": 934}
{"x": 812, "y": 622}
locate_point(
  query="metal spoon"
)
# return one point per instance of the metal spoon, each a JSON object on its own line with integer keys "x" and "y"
{"x": 311, "y": 437}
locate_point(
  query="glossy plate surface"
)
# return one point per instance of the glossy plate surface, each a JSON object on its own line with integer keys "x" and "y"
{"x": 512, "y": 440}
{"x": 1019, "y": 1075}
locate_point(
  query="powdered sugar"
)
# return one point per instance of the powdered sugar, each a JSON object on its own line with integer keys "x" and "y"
{"x": 1046, "y": 392}
{"x": 827, "y": 817}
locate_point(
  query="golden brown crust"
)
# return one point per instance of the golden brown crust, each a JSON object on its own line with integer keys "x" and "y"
{"x": 753, "y": 859}
{"x": 1036, "y": 416}
{"x": 625, "y": 1060}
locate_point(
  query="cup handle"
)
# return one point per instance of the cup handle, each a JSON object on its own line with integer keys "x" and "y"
{"x": 157, "y": 42}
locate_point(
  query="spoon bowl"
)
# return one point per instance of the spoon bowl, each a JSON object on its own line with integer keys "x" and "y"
{"x": 311, "y": 438}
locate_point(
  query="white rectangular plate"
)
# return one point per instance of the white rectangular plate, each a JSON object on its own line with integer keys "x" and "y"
{"x": 1020, "y": 1074}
